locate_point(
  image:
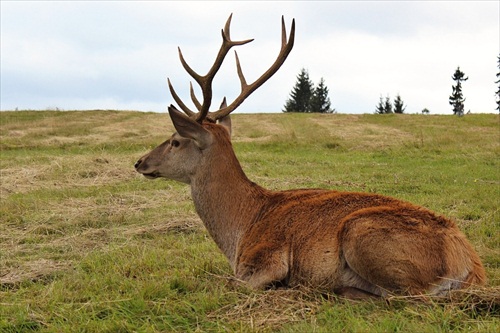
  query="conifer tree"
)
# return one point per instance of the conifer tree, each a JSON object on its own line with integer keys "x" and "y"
{"x": 320, "y": 102}
{"x": 457, "y": 99}
{"x": 301, "y": 94}
{"x": 387, "y": 105}
{"x": 399, "y": 105}
{"x": 380, "y": 109}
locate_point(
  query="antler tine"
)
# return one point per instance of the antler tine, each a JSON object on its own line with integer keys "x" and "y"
{"x": 179, "y": 101}
{"x": 193, "y": 97}
{"x": 240, "y": 72}
{"x": 246, "y": 89}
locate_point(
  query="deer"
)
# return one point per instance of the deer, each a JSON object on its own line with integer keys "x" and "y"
{"x": 353, "y": 244}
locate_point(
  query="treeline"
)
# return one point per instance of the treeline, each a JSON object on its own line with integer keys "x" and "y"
{"x": 387, "y": 107}
{"x": 305, "y": 97}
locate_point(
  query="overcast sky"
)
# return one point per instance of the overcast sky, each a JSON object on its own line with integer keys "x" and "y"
{"x": 117, "y": 54}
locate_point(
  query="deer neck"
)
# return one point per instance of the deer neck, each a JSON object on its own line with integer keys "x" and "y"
{"x": 226, "y": 201}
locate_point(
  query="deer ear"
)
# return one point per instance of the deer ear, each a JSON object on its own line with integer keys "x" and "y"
{"x": 226, "y": 123}
{"x": 188, "y": 128}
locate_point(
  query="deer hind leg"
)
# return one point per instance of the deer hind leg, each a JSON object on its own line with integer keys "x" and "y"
{"x": 262, "y": 265}
{"x": 353, "y": 286}
{"x": 355, "y": 293}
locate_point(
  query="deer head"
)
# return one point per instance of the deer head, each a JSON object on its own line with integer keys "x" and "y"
{"x": 180, "y": 157}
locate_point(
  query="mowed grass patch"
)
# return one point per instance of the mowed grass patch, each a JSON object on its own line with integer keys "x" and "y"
{"x": 87, "y": 244}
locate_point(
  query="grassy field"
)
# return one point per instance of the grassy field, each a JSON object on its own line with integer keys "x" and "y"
{"x": 89, "y": 245}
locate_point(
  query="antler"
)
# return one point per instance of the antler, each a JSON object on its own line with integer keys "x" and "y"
{"x": 205, "y": 81}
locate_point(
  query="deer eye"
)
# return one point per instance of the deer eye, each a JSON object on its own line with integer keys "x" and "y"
{"x": 175, "y": 143}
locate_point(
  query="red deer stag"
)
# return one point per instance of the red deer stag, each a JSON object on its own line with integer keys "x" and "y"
{"x": 355, "y": 244}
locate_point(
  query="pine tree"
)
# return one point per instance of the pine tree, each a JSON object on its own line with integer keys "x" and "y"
{"x": 300, "y": 96}
{"x": 387, "y": 105}
{"x": 320, "y": 102}
{"x": 380, "y": 109}
{"x": 399, "y": 105}
{"x": 498, "y": 82}
{"x": 457, "y": 99}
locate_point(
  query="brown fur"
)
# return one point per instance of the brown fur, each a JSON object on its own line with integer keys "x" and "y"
{"x": 355, "y": 244}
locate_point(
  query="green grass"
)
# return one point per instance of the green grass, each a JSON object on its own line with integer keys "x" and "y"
{"x": 89, "y": 245}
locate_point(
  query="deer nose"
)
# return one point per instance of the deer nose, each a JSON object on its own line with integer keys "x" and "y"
{"x": 136, "y": 165}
